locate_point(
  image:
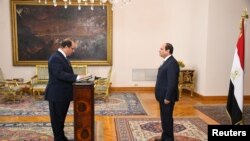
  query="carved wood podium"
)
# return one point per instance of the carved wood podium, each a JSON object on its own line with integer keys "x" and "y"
{"x": 83, "y": 111}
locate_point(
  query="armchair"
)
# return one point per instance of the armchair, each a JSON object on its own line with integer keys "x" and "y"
{"x": 10, "y": 88}
{"x": 40, "y": 80}
{"x": 102, "y": 86}
{"x": 186, "y": 80}
{"x": 80, "y": 69}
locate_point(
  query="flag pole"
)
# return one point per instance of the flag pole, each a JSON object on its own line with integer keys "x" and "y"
{"x": 244, "y": 16}
{"x": 236, "y": 86}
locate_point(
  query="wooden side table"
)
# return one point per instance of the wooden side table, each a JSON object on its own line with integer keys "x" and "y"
{"x": 12, "y": 89}
{"x": 26, "y": 87}
{"x": 186, "y": 80}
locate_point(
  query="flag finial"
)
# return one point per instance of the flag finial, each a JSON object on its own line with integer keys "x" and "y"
{"x": 244, "y": 14}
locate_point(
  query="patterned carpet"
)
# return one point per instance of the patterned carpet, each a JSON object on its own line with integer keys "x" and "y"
{"x": 118, "y": 104}
{"x": 148, "y": 129}
{"x": 39, "y": 131}
{"x": 35, "y": 131}
{"x": 219, "y": 114}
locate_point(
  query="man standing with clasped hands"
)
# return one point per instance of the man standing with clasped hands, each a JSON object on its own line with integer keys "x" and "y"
{"x": 166, "y": 90}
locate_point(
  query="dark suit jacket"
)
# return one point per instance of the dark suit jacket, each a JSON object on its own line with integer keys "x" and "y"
{"x": 167, "y": 81}
{"x": 61, "y": 77}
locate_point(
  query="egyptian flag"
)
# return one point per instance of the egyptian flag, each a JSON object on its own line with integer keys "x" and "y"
{"x": 235, "y": 94}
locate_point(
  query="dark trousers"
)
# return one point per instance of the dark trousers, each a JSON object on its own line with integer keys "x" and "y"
{"x": 167, "y": 122}
{"x": 58, "y": 111}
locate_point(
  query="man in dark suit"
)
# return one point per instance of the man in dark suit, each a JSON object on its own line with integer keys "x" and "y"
{"x": 166, "y": 90}
{"x": 59, "y": 91}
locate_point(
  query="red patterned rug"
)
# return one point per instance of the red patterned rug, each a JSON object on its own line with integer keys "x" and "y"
{"x": 148, "y": 129}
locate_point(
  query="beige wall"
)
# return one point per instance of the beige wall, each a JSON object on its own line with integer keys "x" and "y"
{"x": 203, "y": 32}
{"x": 223, "y": 32}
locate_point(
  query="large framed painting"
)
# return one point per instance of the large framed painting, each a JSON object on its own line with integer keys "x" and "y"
{"x": 38, "y": 29}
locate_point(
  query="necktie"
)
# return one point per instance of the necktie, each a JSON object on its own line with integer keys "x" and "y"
{"x": 68, "y": 61}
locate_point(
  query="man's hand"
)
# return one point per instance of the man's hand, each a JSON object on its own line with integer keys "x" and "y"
{"x": 166, "y": 101}
{"x": 85, "y": 77}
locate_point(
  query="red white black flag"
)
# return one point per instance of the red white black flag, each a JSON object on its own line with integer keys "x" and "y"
{"x": 235, "y": 94}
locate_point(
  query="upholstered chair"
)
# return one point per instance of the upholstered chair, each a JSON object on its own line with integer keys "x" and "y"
{"x": 102, "y": 86}
{"x": 40, "y": 80}
{"x": 10, "y": 88}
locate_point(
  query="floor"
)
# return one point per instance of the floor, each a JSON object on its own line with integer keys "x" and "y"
{"x": 183, "y": 108}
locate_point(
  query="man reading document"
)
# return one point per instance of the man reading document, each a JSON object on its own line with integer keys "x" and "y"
{"x": 59, "y": 91}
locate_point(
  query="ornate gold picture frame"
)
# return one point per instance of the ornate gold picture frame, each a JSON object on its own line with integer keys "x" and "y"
{"x": 38, "y": 29}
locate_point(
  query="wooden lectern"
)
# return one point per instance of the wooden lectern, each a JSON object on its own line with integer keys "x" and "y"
{"x": 83, "y": 111}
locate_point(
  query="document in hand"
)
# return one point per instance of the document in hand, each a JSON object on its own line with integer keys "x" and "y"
{"x": 86, "y": 77}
